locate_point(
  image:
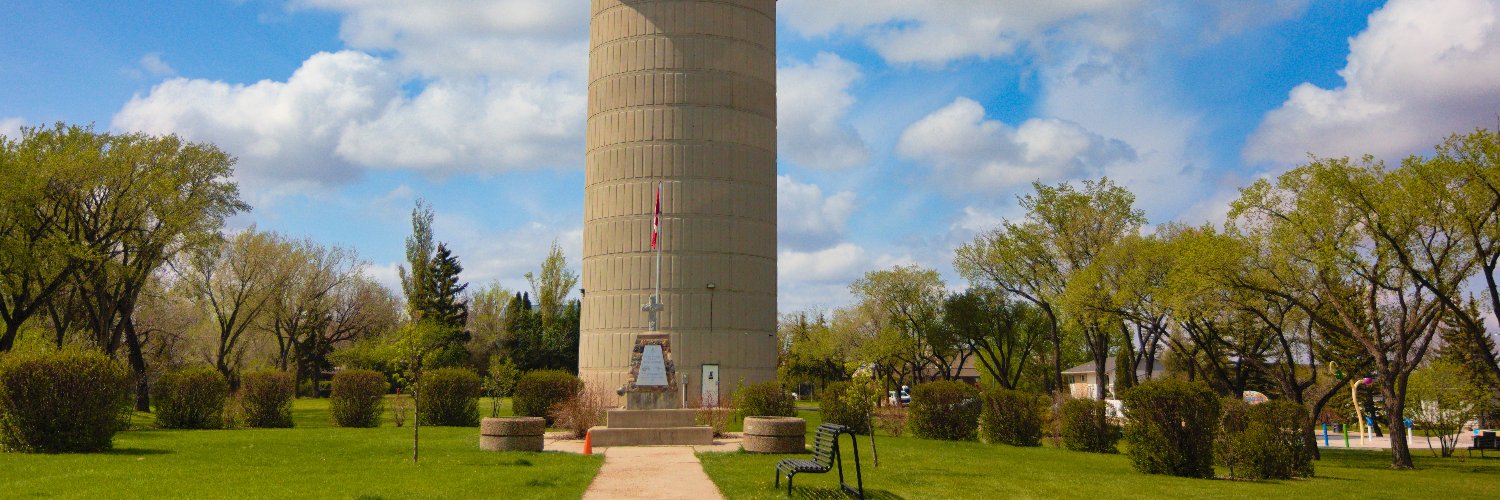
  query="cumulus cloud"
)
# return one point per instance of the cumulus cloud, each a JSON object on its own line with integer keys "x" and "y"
{"x": 808, "y": 219}
{"x": 463, "y": 38}
{"x": 1422, "y": 69}
{"x": 971, "y": 153}
{"x": 939, "y": 31}
{"x": 346, "y": 111}
{"x": 813, "y": 103}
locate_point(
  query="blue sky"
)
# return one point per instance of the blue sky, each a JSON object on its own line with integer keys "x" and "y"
{"x": 906, "y": 127}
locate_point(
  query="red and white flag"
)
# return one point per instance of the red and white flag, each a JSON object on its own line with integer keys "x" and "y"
{"x": 656, "y": 221}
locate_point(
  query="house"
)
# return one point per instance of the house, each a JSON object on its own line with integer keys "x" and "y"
{"x": 1081, "y": 382}
{"x": 968, "y": 372}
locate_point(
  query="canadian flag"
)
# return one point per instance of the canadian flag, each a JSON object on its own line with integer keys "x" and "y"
{"x": 656, "y": 221}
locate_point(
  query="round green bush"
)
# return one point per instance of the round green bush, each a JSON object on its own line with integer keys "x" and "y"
{"x": 1171, "y": 427}
{"x": 449, "y": 396}
{"x": 766, "y": 399}
{"x": 67, "y": 401}
{"x": 1264, "y": 441}
{"x": 266, "y": 399}
{"x": 1085, "y": 427}
{"x": 1012, "y": 417}
{"x": 946, "y": 409}
{"x": 190, "y": 398}
{"x": 538, "y": 391}
{"x": 850, "y": 405}
{"x": 358, "y": 398}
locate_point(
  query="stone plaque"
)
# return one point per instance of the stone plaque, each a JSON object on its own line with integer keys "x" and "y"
{"x": 653, "y": 368}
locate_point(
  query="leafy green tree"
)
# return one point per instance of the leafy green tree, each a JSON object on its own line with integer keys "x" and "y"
{"x": 1344, "y": 226}
{"x": 431, "y": 283}
{"x": 1442, "y": 399}
{"x": 552, "y": 286}
{"x": 1064, "y": 229}
{"x": 236, "y": 280}
{"x": 910, "y": 301}
{"x": 1002, "y": 333}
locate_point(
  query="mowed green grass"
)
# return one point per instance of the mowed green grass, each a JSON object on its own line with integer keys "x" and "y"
{"x": 312, "y": 460}
{"x": 919, "y": 468}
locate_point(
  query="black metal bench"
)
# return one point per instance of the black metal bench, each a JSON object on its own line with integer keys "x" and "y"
{"x": 826, "y": 456}
{"x": 1484, "y": 441}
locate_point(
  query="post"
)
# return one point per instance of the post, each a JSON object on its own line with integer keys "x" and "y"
{"x": 1325, "y": 435}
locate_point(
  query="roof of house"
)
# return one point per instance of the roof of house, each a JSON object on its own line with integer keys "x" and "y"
{"x": 1109, "y": 367}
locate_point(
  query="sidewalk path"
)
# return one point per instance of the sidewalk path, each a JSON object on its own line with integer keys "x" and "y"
{"x": 664, "y": 472}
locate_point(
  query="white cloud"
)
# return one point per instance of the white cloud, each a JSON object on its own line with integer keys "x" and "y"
{"x": 346, "y": 111}
{"x": 841, "y": 263}
{"x": 464, "y": 38}
{"x": 808, "y": 219}
{"x": 1421, "y": 70}
{"x": 11, "y": 127}
{"x": 155, "y": 66}
{"x": 813, "y": 104}
{"x": 939, "y": 31}
{"x": 970, "y": 153}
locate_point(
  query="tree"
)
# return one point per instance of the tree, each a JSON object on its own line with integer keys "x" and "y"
{"x": 1065, "y": 228}
{"x": 1001, "y": 333}
{"x": 1442, "y": 399}
{"x": 1457, "y": 193}
{"x": 433, "y": 291}
{"x": 811, "y": 351}
{"x": 143, "y": 202}
{"x": 37, "y": 259}
{"x": 910, "y": 300}
{"x": 416, "y": 347}
{"x": 552, "y": 285}
{"x": 236, "y": 281}
{"x": 1344, "y": 226}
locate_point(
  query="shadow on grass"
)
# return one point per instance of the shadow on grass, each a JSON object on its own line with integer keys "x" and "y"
{"x": 820, "y": 493}
{"x": 137, "y": 452}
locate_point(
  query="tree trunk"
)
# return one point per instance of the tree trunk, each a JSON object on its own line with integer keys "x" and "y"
{"x": 9, "y": 339}
{"x": 1395, "y": 417}
{"x": 138, "y": 366}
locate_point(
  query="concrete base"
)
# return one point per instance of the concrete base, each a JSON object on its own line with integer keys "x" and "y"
{"x": 510, "y": 443}
{"x": 652, "y": 400}
{"x": 636, "y": 419}
{"x": 652, "y": 436}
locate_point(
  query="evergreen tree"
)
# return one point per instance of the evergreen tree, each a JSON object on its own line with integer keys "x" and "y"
{"x": 446, "y": 304}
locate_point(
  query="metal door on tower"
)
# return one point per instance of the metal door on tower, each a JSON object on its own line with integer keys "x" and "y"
{"x": 710, "y": 385}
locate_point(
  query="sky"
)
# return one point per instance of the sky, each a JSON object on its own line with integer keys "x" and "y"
{"x": 906, "y": 128}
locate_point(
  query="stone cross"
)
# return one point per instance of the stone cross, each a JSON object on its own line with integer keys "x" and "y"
{"x": 651, "y": 310}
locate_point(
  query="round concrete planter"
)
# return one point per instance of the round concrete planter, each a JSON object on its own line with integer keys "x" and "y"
{"x": 511, "y": 433}
{"x": 775, "y": 435}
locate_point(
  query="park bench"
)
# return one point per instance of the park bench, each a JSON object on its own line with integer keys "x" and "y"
{"x": 1483, "y": 441}
{"x": 826, "y": 456}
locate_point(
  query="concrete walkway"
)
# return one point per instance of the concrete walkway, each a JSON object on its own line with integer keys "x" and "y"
{"x": 658, "y": 472}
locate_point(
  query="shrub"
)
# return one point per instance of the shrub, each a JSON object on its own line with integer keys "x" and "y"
{"x": 1012, "y": 417}
{"x": 538, "y": 391}
{"x": 449, "y": 396}
{"x": 946, "y": 409}
{"x": 1263, "y": 441}
{"x": 891, "y": 419}
{"x": 850, "y": 404}
{"x": 266, "y": 399}
{"x": 66, "y": 401}
{"x": 358, "y": 398}
{"x": 717, "y": 418}
{"x": 190, "y": 398}
{"x": 766, "y": 399}
{"x": 400, "y": 409}
{"x": 1085, "y": 427}
{"x": 1171, "y": 427}
{"x": 580, "y": 413}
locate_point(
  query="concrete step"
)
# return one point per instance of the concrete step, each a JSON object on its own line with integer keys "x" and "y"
{"x": 636, "y": 419}
{"x": 652, "y": 436}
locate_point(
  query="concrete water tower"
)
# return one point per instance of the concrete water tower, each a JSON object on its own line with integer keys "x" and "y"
{"x": 682, "y": 96}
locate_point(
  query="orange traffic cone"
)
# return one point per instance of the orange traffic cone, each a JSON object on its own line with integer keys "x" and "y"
{"x": 588, "y": 443}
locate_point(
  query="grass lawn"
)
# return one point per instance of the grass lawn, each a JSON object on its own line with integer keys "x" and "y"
{"x": 918, "y": 468}
{"x": 312, "y": 460}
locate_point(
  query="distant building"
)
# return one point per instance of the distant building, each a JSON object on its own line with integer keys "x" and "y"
{"x": 1082, "y": 383}
{"x": 968, "y": 373}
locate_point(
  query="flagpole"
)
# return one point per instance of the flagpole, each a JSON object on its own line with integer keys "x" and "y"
{"x": 659, "y": 244}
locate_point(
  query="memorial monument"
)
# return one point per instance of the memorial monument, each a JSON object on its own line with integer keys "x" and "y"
{"x": 679, "y": 244}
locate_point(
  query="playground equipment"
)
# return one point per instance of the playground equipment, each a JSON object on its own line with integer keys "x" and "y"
{"x": 1365, "y": 424}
